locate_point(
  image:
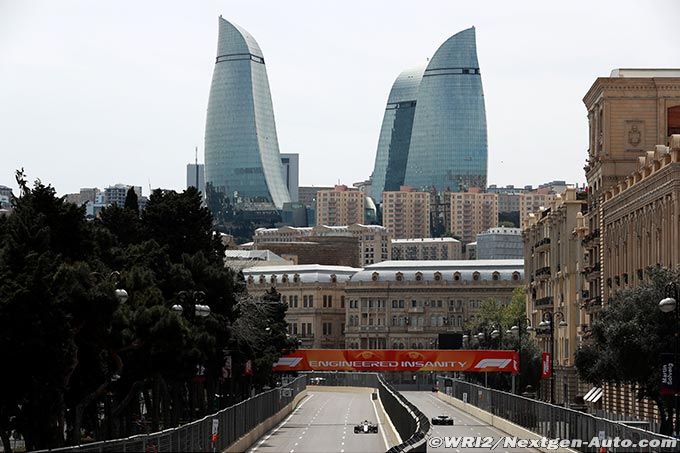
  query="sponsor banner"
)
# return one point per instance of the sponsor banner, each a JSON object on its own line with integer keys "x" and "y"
{"x": 669, "y": 375}
{"x": 399, "y": 360}
{"x": 546, "y": 366}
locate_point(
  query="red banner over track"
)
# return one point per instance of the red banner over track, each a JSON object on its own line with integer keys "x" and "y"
{"x": 399, "y": 360}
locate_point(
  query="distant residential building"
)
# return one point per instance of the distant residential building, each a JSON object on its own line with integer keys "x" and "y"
{"x": 406, "y": 213}
{"x": 500, "y": 243}
{"x": 372, "y": 241}
{"x": 116, "y": 194}
{"x": 73, "y": 198}
{"x": 315, "y": 296}
{"x": 340, "y": 206}
{"x": 291, "y": 174}
{"x": 407, "y": 304}
{"x": 6, "y": 191}
{"x": 426, "y": 249}
{"x": 307, "y": 194}
{"x": 88, "y": 194}
{"x": 196, "y": 176}
{"x": 534, "y": 201}
{"x": 473, "y": 212}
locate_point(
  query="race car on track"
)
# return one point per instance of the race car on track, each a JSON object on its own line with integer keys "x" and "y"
{"x": 442, "y": 420}
{"x": 366, "y": 427}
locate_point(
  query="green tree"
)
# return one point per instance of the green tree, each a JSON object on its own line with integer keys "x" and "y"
{"x": 131, "y": 200}
{"x": 626, "y": 341}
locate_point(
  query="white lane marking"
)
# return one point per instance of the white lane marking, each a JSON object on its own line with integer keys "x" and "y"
{"x": 265, "y": 439}
{"x": 380, "y": 426}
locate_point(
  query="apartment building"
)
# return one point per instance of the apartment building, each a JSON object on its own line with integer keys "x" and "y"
{"x": 340, "y": 206}
{"x": 406, "y": 213}
{"x": 439, "y": 249}
{"x": 473, "y": 212}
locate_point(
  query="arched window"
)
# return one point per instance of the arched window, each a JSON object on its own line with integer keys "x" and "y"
{"x": 475, "y": 276}
{"x": 284, "y": 278}
{"x": 515, "y": 276}
{"x": 456, "y": 276}
{"x": 375, "y": 276}
{"x": 437, "y": 276}
{"x": 334, "y": 278}
{"x": 496, "y": 275}
{"x": 419, "y": 276}
{"x": 272, "y": 279}
{"x": 296, "y": 278}
{"x": 399, "y": 276}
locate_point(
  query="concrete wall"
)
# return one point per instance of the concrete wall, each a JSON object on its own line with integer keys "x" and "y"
{"x": 260, "y": 430}
{"x": 497, "y": 422}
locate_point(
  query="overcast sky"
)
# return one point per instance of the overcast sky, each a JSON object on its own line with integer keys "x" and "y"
{"x": 94, "y": 93}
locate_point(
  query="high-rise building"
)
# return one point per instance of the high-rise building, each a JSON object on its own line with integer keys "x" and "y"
{"x": 406, "y": 213}
{"x": 116, "y": 194}
{"x": 395, "y": 134}
{"x": 291, "y": 174}
{"x": 242, "y": 159}
{"x": 340, "y": 206}
{"x": 534, "y": 201}
{"x": 473, "y": 212}
{"x": 196, "y": 176}
{"x": 448, "y": 146}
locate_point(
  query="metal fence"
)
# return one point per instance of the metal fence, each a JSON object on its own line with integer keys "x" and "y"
{"x": 230, "y": 424}
{"x": 410, "y": 423}
{"x": 555, "y": 422}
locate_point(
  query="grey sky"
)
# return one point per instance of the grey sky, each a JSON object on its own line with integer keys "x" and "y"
{"x": 98, "y": 92}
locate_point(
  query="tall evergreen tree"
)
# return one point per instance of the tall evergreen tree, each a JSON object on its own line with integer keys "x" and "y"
{"x": 131, "y": 200}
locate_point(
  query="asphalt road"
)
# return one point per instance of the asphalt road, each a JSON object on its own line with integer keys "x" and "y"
{"x": 324, "y": 422}
{"x": 464, "y": 425}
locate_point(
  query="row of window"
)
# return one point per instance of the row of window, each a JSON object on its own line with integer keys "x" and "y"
{"x": 414, "y": 303}
{"x": 308, "y": 301}
{"x": 304, "y": 329}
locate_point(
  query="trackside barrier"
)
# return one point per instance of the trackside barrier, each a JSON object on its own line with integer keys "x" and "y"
{"x": 229, "y": 424}
{"x": 411, "y": 424}
{"x": 554, "y": 422}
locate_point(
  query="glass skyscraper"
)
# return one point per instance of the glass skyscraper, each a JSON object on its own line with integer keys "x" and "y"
{"x": 242, "y": 158}
{"x": 448, "y": 142}
{"x": 434, "y": 129}
{"x": 395, "y": 134}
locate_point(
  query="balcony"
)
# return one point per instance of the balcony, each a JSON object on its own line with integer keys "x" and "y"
{"x": 542, "y": 273}
{"x": 592, "y": 272}
{"x": 372, "y": 328}
{"x": 590, "y": 237}
{"x": 415, "y": 329}
{"x": 593, "y": 305}
{"x": 541, "y": 245}
{"x": 544, "y": 302}
{"x": 416, "y": 310}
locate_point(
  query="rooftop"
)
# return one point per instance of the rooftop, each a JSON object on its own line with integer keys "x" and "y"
{"x": 421, "y": 240}
{"x": 645, "y": 72}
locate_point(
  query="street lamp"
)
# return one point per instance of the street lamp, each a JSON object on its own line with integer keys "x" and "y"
{"x": 548, "y": 322}
{"x": 518, "y": 330}
{"x": 189, "y": 300}
{"x": 667, "y": 305}
{"x": 114, "y": 277}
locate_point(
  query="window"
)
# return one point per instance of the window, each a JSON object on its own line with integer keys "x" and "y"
{"x": 327, "y": 328}
{"x": 304, "y": 301}
{"x": 311, "y": 301}
{"x": 674, "y": 120}
{"x": 414, "y": 303}
{"x": 342, "y": 301}
{"x": 330, "y": 301}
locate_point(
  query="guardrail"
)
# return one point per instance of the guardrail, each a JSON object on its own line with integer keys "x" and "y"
{"x": 230, "y": 424}
{"x": 553, "y": 422}
{"x": 411, "y": 424}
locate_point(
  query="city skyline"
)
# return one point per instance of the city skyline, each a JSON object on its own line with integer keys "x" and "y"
{"x": 129, "y": 106}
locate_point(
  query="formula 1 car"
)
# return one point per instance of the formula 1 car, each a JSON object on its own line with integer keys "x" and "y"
{"x": 366, "y": 427}
{"x": 442, "y": 420}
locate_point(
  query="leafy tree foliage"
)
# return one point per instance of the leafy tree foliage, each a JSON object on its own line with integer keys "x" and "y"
{"x": 83, "y": 362}
{"x": 627, "y": 338}
{"x": 496, "y": 315}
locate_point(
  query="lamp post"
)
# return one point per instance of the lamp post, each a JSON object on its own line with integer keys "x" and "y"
{"x": 667, "y": 305}
{"x": 190, "y": 304}
{"x": 518, "y": 330}
{"x": 548, "y": 323}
